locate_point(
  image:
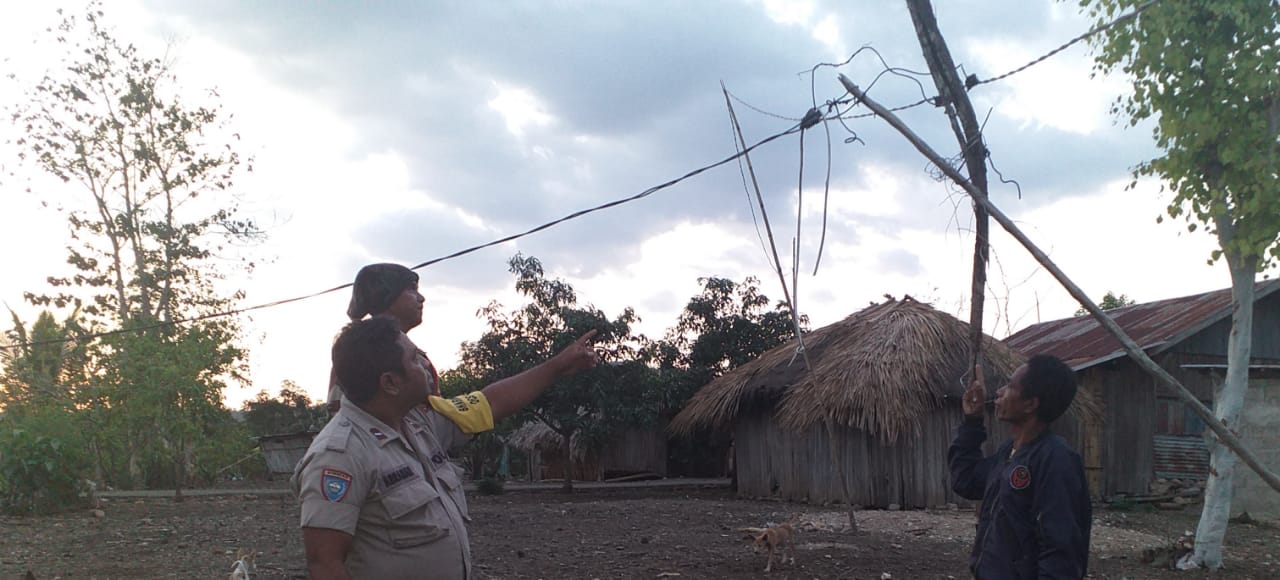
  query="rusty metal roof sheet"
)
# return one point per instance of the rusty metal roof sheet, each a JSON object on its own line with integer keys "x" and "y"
{"x": 1155, "y": 326}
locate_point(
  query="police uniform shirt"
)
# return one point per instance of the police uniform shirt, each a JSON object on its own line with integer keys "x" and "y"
{"x": 397, "y": 495}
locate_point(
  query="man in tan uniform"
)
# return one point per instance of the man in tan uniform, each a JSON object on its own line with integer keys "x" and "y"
{"x": 379, "y": 497}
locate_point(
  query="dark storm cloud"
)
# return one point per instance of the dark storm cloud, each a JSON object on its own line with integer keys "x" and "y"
{"x": 635, "y": 94}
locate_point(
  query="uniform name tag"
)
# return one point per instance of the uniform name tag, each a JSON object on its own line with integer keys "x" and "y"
{"x": 335, "y": 484}
{"x": 397, "y": 475}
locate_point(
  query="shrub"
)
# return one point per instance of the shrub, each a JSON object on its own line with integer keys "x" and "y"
{"x": 490, "y": 486}
{"x": 39, "y": 474}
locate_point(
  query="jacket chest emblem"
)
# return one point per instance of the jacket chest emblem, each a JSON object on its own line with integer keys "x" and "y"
{"x": 1020, "y": 477}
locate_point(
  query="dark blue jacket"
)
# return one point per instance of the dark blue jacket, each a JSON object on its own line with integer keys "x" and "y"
{"x": 1036, "y": 516}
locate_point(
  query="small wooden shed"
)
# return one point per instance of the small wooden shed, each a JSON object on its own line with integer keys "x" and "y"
{"x": 873, "y": 418}
{"x": 283, "y": 452}
{"x": 634, "y": 451}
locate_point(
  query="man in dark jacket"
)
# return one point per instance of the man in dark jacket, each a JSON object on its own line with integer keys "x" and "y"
{"x": 1036, "y": 516}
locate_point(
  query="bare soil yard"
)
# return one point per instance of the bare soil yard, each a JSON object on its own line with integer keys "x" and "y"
{"x": 615, "y": 534}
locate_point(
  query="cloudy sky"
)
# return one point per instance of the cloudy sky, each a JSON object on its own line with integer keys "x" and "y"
{"x": 404, "y": 131}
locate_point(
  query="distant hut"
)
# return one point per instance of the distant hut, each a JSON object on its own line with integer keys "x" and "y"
{"x": 885, "y": 387}
{"x": 632, "y": 452}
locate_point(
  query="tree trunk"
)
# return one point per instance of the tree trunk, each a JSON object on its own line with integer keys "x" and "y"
{"x": 136, "y": 479}
{"x": 179, "y": 471}
{"x": 95, "y": 454}
{"x": 1228, "y": 401}
{"x": 568, "y": 461}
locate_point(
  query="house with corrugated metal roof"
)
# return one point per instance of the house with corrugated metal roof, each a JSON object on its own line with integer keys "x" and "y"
{"x": 1147, "y": 432}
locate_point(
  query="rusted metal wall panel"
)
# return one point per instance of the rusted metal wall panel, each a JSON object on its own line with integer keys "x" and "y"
{"x": 1180, "y": 457}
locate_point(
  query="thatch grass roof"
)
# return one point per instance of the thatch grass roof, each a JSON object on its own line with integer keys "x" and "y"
{"x": 880, "y": 370}
{"x": 537, "y": 436}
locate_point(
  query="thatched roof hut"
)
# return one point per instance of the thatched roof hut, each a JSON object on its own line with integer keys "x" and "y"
{"x": 891, "y": 371}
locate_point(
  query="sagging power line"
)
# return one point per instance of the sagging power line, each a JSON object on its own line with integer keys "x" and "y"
{"x": 833, "y": 104}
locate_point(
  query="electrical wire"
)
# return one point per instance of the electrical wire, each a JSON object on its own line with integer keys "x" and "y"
{"x": 973, "y": 81}
{"x": 577, "y": 214}
{"x": 799, "y": 127}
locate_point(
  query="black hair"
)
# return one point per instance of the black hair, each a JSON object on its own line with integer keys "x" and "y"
{"x": 362, "y": 352}
{"x": 377, "y": 286}
{"x": 1053, "y": 382}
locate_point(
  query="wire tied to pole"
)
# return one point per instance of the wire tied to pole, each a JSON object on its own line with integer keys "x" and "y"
{"x": 811, "y": 119}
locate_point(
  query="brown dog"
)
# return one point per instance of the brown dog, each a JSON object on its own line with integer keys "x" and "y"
{"x": 775, "y": 539}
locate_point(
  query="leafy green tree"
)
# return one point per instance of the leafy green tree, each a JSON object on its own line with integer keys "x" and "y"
{"x": 721, "y": 328}
{"x": 43, "y": 368}
{"x": 1206, "y": 73}
{"x": 43, "y": 456}
{"x": 593, "y": 404}
{"x": 483, "y": 454}
{"x": 1109, "y": 301}
{"x": 147, "y": 194}
{"x": 292, "y": 411}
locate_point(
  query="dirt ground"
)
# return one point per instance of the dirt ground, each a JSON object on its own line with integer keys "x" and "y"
{"x": 615, "y": 534}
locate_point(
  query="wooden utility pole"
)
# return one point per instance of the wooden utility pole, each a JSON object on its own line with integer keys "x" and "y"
{"x": 1135, "y": 352}
{"x": 964, "y": 122}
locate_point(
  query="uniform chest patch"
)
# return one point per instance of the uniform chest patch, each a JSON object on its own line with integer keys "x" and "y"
{"x": 1020, "y": 478}
{"x": 335, "y": 484}
{"x": 397, "y": 475}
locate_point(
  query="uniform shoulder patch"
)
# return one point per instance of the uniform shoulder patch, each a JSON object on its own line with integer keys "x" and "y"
{"x": 335, "y": 483}
{"x": 1020, "y": 477}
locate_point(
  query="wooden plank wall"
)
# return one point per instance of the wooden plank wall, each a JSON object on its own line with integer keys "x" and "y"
{"x": 633, "y": 451}
{"x": 911, "y": 473}
{"x": 283, "y": 453}
{"x": 636, "y": 451}
{"x": 1129, "y": 395}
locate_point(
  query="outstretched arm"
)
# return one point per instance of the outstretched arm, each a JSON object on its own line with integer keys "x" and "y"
{"x": 507, "y": 396}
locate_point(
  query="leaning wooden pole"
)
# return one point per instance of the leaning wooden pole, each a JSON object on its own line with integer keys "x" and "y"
{"x": 964, "y": 123}
{"x": 1225, "y": 435}
{"x": 795, "y": 314}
